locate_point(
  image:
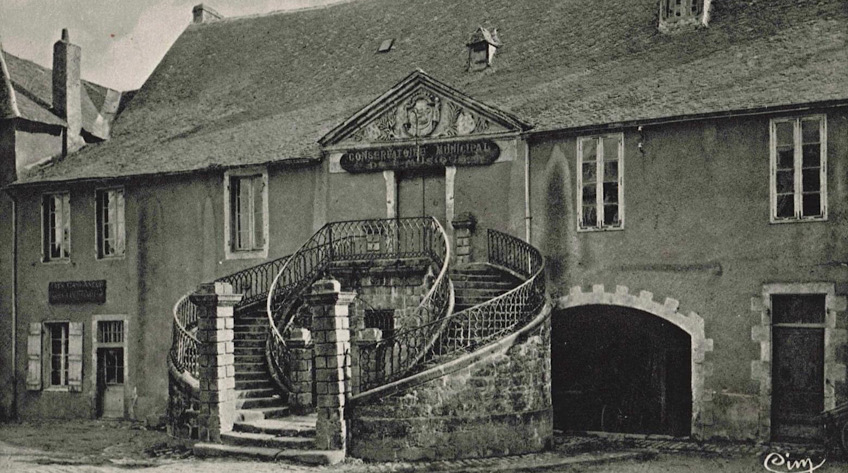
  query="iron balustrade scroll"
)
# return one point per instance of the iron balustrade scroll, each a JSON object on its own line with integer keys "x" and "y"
{"x": 464, "y": 331}
{"x": 358, "y": 240}
{"x": 252, "y": 282}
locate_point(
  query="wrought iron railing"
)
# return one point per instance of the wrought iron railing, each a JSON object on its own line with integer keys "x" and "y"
{"x": 359, "y": 240}
{"x": 466, "y": 330}
{"x": 253, "y": 283}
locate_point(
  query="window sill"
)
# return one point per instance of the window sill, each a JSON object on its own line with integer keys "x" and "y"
{"x": 600, "y": 230}
{"x": 57, "y": 389}
{"x": 56, "y": 261}
{"x": 246, "y": 254}
{"x": 112, "y": 258}
{"x": 782, "y": 221}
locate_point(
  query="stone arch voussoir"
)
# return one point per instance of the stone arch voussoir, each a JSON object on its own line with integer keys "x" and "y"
{"x": 669, "y": 310}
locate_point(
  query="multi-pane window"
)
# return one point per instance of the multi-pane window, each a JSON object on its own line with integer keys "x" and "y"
{"x": 111, "y": 239}
{"x": 58, "y": 354}
{"x": 110, "y": 339}
{"x": 798, "y": 169}
{"x": 56, "y": 211}
{"x": 247, "y": 209}
{"x": 681, "y": 9}
{"x": 599, "y": 182}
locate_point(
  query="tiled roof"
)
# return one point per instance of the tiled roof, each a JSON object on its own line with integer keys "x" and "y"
{"x": 266, "y": 88}
{"x": 33, "y": 86}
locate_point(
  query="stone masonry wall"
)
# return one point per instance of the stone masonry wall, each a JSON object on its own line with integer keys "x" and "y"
{"x": 499, "y": 405}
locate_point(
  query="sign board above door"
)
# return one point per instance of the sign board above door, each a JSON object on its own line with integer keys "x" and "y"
{"x": 425, "y": 156}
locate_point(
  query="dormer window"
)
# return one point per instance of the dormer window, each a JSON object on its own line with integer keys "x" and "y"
{"x": 675, "y": 14}
{"x": 482, "y": 48}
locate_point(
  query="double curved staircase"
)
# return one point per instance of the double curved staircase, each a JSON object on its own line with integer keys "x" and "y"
{"x": 462, "y": 310}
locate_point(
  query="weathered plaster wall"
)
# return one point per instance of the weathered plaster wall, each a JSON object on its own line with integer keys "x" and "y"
{"x": 499, "y": 405}
{"x": 175, "y": 241}
{"x": 34, "y": 143}
{"x": 356, "y": 196}
{"x": 494, "y": 194}
{"x": 697, "y": 230}
{"x": 7, "y": 173}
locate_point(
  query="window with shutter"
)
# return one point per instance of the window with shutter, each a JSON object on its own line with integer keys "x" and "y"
{"x": 75, "y": 356}
{"x": 111, "y": 231}
{"x": 246, "y": 218}
{"x": 33, "y": 381}
{"x": 56, "y": 226}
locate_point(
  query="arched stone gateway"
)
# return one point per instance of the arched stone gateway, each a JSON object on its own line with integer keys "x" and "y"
{"x": 668, "y": 310}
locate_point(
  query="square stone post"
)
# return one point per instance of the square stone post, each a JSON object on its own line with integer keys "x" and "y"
{"x": 464, "y": 226}
{"x": 215, "y": 304}
{"x": 363, "y": 362}
{"x": 331, "y": 345}
{"x": 299, "y": 342}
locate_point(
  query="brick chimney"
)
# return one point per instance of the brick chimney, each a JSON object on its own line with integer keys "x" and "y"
{"x": 67, "y": 89}
{"x": 204, "y": 14}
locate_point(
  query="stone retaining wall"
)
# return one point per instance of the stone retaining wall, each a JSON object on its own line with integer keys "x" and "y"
{"x": 498, "y": 405}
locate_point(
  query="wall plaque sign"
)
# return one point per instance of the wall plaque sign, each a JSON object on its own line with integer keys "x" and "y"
{"x": 77, "y": 292}
{"x": 461, "y": 153}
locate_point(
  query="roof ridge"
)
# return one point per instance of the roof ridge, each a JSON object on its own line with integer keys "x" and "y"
{"x": 9, "y": 106}
{"x": 230, "y": 19}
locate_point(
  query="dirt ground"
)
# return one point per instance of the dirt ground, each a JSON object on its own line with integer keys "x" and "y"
{"x": 94, "y": 441}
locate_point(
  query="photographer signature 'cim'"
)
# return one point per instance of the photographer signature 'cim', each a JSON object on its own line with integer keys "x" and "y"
{"x": 780, "y": 463}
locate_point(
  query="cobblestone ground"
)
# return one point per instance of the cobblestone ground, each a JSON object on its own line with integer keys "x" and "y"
{"x": 570, "y": 454}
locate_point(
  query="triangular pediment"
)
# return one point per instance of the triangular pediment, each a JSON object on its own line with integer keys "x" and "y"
{"x": 421, "y": 108}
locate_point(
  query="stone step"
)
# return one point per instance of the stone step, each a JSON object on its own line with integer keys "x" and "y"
{"x": 251, "y": 384}
{"x": 479, "y": 292}
{"x": 466, "y": 284}
{"x": 256, "y": 328}
{"x": 250, "y": 336}
{"x": 291, "y": 426}
{"x": 259, "y": 402}
{"x": 251, "y": 376}
{"x": 252, "y": 358}
{"x": 479, "y": 277}
{"x": 249, "y": 344}
{"x": 267, "y": 440}
{"x": 245, "y": 349}
{"x": 311, "y": 457}
{"x": 249, "y": 415}
{"x": 250, "y": 367}
{"x": 255, "y": 393}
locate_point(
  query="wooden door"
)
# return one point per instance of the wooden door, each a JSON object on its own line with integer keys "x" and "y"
{"x": 422, "y": 194}
{"x": 797, "y": 366}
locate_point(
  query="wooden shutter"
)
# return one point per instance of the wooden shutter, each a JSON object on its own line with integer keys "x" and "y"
{"x": 34, "y": 357}
{"x": 75, "y": 356}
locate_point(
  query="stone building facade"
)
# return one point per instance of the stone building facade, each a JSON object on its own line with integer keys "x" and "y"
{"x": 679, "y": 166}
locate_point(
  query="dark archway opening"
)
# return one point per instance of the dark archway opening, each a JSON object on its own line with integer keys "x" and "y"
{"x": 618, "y": 369}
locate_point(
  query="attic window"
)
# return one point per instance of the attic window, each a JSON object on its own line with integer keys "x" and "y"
{"x": 675, "y": 14}
{"x": 386, "y": 45}
{"x": 482, "y": 48}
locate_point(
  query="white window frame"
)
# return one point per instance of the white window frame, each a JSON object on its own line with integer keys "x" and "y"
{"x": 99, "y": 233}
{"x": 599, "y": 176}
{"x": 665, "y": 6}
{"x": 45, "y": 230}
{"x": 95, "y": 343}
{"x": 48, "y": 352}
{"x": 229, "y": 251}
{"x": 798, "y": 165}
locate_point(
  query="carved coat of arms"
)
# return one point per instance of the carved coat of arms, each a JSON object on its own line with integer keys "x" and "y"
{"x": 420, "y": 115}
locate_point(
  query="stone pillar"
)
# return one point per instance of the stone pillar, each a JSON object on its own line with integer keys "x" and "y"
{"x": 363, "y": 366}
{"x": 464, "y": 226}
{"x": 300, "y": 343}
{"x": 215, "y": 303}
{"x": 331, "y": 345}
